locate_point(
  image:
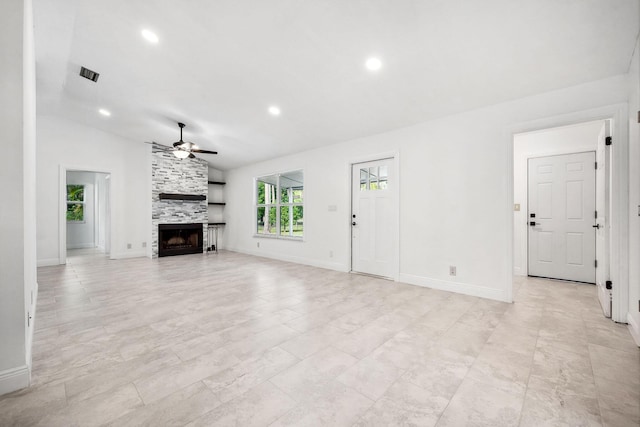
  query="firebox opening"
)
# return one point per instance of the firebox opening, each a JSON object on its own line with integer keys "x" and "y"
{"x": 179, "y": 239}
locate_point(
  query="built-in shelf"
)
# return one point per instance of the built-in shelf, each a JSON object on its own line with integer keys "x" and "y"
{"x": 217, "y": 223}
{"x": 217, "y": 182}
{"x": 217, "y": 203}
{"x": 171, "y": 196}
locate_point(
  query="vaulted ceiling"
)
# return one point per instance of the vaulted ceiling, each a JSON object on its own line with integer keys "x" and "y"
{"x": 219, "y": 65}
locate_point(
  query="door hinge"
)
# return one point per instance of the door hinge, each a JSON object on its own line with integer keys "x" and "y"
{"x": 608, "y": 284}
{"x": 596, "y": 165}
{"x": 608, "y": 141}
{"x": 595, "y": 214}
{"x": 595, "y": 263}
{"x": 28, "y": 319}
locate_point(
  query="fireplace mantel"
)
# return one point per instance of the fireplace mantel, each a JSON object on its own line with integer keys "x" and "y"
{"x": 174, "y": 196}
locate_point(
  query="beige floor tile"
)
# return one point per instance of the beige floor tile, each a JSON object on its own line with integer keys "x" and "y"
{"x": 616, "y": 365}
{"x": 308, "y": 343}
{"x": 28, "y": 406}
{"x": 178, "y": 408}
{"x": 547, "y": 405}
{"x": 405, "y": 404}
{"x": 478, "y": 404}
{"x": 259, "y": 406}
{"x": 619, "y": 397}
{"x": 441, "y": 372}
{"x": 338, "y": 405}
{"x": 307, "y": 377}
{"x": 105, "y": 407}
{"x": 239, "y": 378}
{"x": 167, "y": 381}
{"x": 371, "y": 376}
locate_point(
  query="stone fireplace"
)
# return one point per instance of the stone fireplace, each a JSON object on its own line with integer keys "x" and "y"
{"x": 179, "y": 202}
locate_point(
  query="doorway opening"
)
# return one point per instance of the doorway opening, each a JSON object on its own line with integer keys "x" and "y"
{"x": 562, "y": 206}
{"x": 85, "y": 223}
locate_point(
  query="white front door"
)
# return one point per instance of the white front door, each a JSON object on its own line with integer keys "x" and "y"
{"x": 602, "y": 220}
{"x": 561, "y": 217}
{"x": 373, "y": 228}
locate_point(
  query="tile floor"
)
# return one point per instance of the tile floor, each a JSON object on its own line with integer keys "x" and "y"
{"x": 231, "y": 339}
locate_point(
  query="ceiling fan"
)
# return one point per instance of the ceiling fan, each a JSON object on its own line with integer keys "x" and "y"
{"x": 183, "y": 149}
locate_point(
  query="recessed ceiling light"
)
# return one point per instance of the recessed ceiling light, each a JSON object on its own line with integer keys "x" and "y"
{"x": 104, "y": 112}
{"x": 373, "y": 64}
{"x": 274, "y": 111}
{"x": 150, "y": 36}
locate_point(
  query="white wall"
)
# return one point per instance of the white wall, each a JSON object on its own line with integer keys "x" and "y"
{"x": 563, "y": 140}
{"x": 634, "y": 194}
{"x": 17, "y": 184}
{"x": 455, "y": 193}
{"x": 82, "y": 234}
{"x": 62, "y": 142}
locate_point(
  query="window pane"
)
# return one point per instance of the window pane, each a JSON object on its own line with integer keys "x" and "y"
{"x": 364, "y": 177}
{"x": 373, "y": 178}
{"x": 286, "y": 214}
{"x": 298, "y": 221}
{"x": 75, "y": 193}
{"x": 266, "y": 189}
{"x": 291, "y": 187}
{"x": 266, "y": 220}
{"x": 383, "y": 178}
{"x": 75, "y": 212}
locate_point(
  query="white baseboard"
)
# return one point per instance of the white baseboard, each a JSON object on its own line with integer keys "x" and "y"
{"x": 460, "y": 288}
{"x": 298, "y": 260}
{"x": 46, "y": 262}
{"x": 14, "y": 379}
{"x": 132, "y": 254}
{"x": 634, "y": 328}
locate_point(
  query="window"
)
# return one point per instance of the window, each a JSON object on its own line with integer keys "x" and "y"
{"x": 373, "y": 178}
{"x": 279, "y": 204}
{"x": 75, "y": 203}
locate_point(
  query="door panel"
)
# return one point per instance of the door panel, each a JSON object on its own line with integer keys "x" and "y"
{"x": 373, "y": 227}
{"x": 561, "y": 211}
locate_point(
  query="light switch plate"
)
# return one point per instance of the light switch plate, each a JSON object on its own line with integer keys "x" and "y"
{"x": 516, "y": 207}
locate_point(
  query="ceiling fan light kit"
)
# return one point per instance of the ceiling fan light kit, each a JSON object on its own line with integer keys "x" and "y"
{"x": 183, "y": 149}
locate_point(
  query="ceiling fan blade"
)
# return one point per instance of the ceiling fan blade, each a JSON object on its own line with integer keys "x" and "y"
{"x": 197, "y": 150}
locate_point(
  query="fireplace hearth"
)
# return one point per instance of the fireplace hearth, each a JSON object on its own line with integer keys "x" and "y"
{"x": 180, "y": 239}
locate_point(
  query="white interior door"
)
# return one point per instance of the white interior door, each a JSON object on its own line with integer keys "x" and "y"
{"x": 602, "y": 220}
{"x": 373, "y": 225}
{"x": 562, "y": 207}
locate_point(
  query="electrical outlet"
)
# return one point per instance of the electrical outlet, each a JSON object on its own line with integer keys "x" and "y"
{"x": 452, "y": 270}
{"x": 330, "y": 254}
{"x": 258, "y": 244}
{"x": 128, "y": 245}
{"x": 144, "y": 244}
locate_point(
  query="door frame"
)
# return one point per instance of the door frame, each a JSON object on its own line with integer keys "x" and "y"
{"x": 62, "y": 209}
{"x": 395, "y": 158}
{"x": 619, "y": 254}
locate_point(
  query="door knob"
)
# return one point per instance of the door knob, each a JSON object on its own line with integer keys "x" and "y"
{"x": 596, "y": 226}
{"x": 353, "y": 223}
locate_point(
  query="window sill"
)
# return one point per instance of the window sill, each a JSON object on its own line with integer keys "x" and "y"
{"x": 76, "y": 222}
{"x": 290, "y": 238}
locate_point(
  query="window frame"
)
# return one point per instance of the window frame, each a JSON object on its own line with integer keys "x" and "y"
{"x": 278, "y": 205}
{"x": 82, "y": 202}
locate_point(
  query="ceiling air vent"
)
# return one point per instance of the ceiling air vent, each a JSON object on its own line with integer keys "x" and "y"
{"x": 88, "y": 74}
